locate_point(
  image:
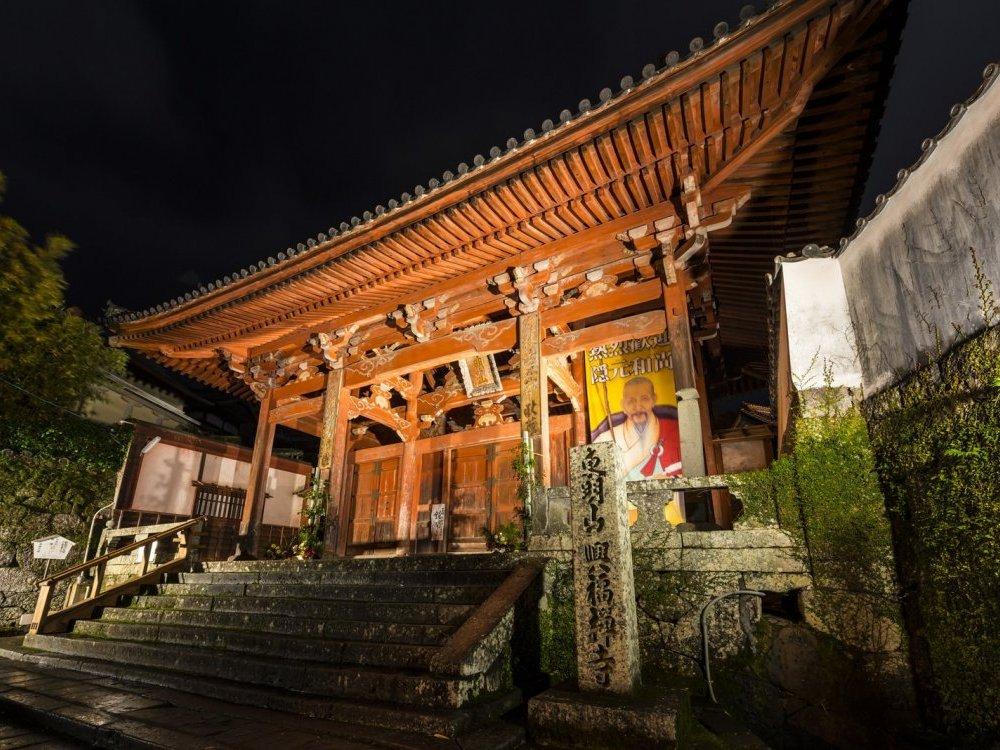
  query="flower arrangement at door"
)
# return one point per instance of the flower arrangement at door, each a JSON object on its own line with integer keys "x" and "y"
{"x": 314, "y": 498}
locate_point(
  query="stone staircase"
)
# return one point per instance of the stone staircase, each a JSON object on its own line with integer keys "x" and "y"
{"x": 412, "y": 644}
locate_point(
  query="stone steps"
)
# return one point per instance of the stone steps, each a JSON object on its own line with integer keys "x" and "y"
{"x": 283, "y": 624}
{"x": 392, "y": 685}
{"x": 400, "y": 594}
{"x": 351, "y": 641}
{"x": 109, "y": 705}
{"x": 432, "y": 563}
{"x": 490, "y": 577}
{"x": 417, "y": 613}
{"x": 356, "y": 652}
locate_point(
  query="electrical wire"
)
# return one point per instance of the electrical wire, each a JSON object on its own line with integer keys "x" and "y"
{"x": 42, "y": 398}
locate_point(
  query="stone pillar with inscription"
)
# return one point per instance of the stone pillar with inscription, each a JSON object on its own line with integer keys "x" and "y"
{"x": 603, "y": 709}
{"x": 607, "y": 638}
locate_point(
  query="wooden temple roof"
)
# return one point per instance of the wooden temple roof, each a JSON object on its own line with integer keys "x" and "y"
{"x": 787, "y": 104}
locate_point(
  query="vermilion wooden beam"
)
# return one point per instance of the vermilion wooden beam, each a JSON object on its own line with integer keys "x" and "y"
{"x": 295, "y": 410}
{"x": 637, "y": 326}
{"x": 300, "y": 388}
{"x": 597, "y": 245}
{"x": 253, "y": 507}
{"x": 487, "y": 339}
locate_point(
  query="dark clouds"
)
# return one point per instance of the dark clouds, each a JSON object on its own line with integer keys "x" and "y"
{"x": 178, "y": 141}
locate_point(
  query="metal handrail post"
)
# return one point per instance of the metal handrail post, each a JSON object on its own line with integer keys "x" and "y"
{"x": 704, "y": 632}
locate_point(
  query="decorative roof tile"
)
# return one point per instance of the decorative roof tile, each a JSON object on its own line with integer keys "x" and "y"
{"x": 606, "y": 96}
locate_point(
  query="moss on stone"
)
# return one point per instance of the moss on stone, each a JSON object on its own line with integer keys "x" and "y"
{"x": 557, "y": 625}
{"x": 937, "y": 438}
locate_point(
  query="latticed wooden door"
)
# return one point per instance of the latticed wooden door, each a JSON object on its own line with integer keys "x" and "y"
{"x": 376, "y": 502}
{"x": 483, "y": 490}
{"x": 469, "y": 511}
{"x": 503, "y": 495}
{"x": 431, "y": 487}
{"x": 387, "y": 503}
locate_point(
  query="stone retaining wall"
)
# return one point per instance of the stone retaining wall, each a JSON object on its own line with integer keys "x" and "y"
{"x": 811, "y": 670}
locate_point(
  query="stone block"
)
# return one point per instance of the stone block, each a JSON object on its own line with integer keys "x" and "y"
{"x": 859, "y": 620}
{"x": 607, "y": 638}
{"x": 550, "y": 513}
{"x": 646, "y": 537}
{"x": 778, "y": 582}
{"x": 793, "y": 662}
{"x": 567, "y": 718}
{"x": 737, "y": 539}
{"x": 763, "y": 560}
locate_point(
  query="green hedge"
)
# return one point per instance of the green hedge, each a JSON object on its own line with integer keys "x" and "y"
{"x": 825, "y": 492}
{"x": 55, "y": 472}
{"x": 937, "y": 439}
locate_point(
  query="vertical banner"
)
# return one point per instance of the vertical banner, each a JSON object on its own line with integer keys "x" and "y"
{"x": 632, "y": 402}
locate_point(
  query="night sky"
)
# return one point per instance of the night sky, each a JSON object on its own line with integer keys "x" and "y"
{"x": 175, "y": 142}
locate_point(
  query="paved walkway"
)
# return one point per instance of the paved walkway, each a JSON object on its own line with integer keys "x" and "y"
{"x": 20, "y": 735}
{"x": 104, "y": 712}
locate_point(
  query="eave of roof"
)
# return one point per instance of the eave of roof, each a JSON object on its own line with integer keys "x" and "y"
{"x": 673, "y": 78}
{"x": 990, "y": 77}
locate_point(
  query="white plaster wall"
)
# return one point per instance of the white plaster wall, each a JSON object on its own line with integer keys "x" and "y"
{"x": 165, "y": 483}
{"x": 226, "y": 471}
{"x": 165, "y": 480}
{"x": 283, "y": 506}
{"x": 909, "y": 274}
{"x": 821, "y": 343}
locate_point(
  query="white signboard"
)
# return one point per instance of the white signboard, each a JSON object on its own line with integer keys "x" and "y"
{"x": 437, "y": 522}
{"x": 53, "y": 547}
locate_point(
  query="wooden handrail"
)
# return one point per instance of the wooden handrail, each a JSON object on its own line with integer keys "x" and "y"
{"x": 44, "y": 621}
{"x": 79, "y": 567}
{"x": 474, "y": 646}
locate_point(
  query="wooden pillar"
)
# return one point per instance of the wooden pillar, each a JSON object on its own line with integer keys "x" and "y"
{"x": 446, "y": 498}
{"x": 534, "y": 393}
{"x": 128, "y": 476}
{"x": 580, "y": 406}
{"x": 253, "y": 505}
{"x": 720, "y": 498}
{"x": 409, "y": 473}
{"x": 332, "y": 455}
{"x": 682, "y": 357}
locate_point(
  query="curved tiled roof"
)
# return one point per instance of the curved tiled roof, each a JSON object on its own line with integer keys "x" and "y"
{"x": 786, "y": 105}
{"x": 991, "y": 74}
{"x": 606, "y": 98}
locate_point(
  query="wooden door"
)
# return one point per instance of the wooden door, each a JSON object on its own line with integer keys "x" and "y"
{"x": 504, "y": 484}
{"x": 559, "y": 444}
{"x": 375, "y": 505}
{"x": 387, "y": 505}
{"x": 431, "y": 473}
{"x": 469, "y": 511}
{"x": 366, "y": 485}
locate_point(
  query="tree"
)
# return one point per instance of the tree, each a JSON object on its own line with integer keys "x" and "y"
{"x": 56, "y": 468}
{"x": 45, "y": 349}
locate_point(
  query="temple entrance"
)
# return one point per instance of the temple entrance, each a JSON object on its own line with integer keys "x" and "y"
{"x": 484, "y": 492}
{"x": 376, "y": 504}
{"x": 467, "y": 485}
